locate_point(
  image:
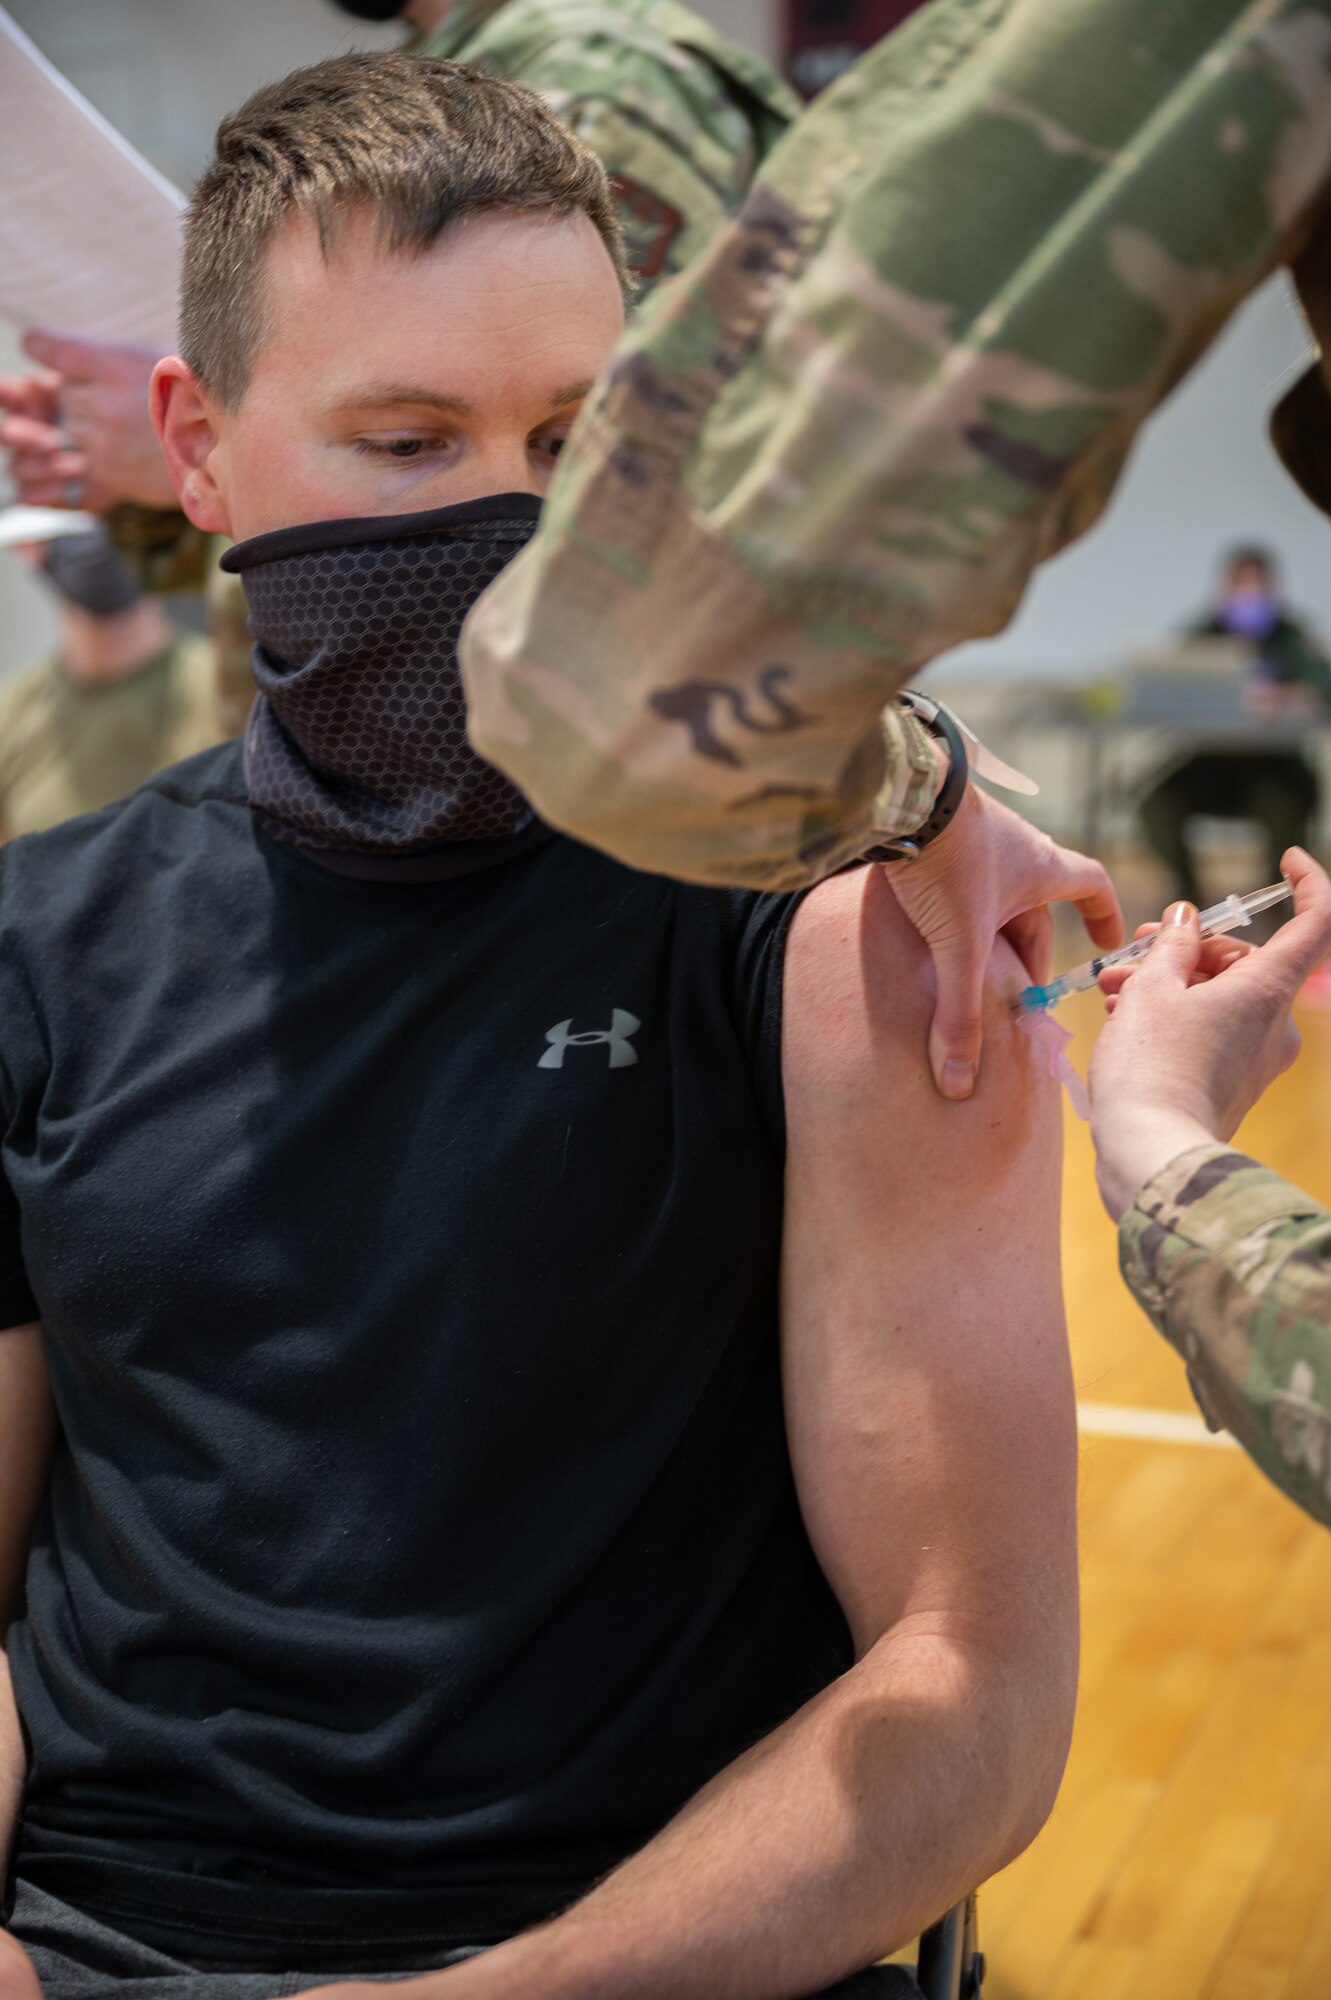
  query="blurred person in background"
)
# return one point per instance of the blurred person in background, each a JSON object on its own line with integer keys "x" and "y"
{"x": 1288, "y": 680}
{"x": 123, "y": 695}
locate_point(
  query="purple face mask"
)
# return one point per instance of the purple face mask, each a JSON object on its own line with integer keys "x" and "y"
{"x": 356, "y": 748}
{"x": 1253, "y": 614}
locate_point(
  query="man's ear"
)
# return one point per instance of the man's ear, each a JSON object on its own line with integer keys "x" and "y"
{"x": 184, "y": 417}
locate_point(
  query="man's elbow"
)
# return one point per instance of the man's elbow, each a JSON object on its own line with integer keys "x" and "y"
{"x": 1040, "y": 1708}
{"x": 1014, "y": 1705}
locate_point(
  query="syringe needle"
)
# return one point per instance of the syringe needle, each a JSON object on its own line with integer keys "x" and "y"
{"x": 1231, "y": 915}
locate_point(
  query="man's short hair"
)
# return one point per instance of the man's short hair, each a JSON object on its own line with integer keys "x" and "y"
{"x": 421, "y": 141}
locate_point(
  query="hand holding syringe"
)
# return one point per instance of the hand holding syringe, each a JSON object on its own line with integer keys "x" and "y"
{"x": 1231, "y": 915}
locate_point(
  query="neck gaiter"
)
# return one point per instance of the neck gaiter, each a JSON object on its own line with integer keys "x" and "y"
{"x": 356, "y": 749}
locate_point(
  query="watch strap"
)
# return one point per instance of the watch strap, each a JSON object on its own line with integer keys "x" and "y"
{"x": 936, "y": 718}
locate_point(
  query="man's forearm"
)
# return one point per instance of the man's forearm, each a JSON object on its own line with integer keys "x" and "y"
{"x": 832, "y": 1842}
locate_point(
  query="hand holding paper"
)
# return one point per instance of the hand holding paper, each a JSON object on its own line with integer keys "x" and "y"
{"x": 78, "y": 430}
{"x": 93, "y": 246}
{"x": 89, "y": 260}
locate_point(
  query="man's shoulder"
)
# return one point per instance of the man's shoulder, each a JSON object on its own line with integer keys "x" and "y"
{"x": 592, "y": 46}
{"x": 28, "y": 689}
{"x": 860, "y": 991}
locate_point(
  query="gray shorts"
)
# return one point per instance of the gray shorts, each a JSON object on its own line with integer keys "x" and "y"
{"x": 79, "y": 1957}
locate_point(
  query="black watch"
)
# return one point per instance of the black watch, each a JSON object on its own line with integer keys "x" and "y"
{"x": 937, "y": 720}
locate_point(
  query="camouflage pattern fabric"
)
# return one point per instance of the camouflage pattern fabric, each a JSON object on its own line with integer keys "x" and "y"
{"x": 1233, "y": 1265}
{"x": 679, "y": 117}
{"x": 160, "y": 547}
{"x": 907, "y": 371}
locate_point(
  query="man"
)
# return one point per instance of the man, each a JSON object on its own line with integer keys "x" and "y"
{"x": 123, "y": 695}
{"x": 1231, "y": 1263}
{"x": 1287, "y": 680}
{"x": 445, "y": 1513}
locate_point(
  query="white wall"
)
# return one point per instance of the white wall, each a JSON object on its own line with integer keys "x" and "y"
{"x": 1203, "y": 477}
{"x": 166, "y": 70}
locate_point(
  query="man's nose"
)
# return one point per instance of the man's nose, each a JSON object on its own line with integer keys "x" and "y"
{"x": 507, "y": 467}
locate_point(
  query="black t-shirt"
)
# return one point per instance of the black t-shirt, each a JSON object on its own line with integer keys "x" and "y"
{"x": 423, "y": 1531}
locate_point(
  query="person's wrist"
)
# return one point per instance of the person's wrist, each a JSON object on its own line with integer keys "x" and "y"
{"x": 1133, "y": 1145}
{"x": 952, "y": 776}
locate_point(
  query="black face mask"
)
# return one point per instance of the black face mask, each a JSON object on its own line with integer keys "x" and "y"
{"x": 356, "y": 749}
{"x": 371, "y": 10}
{"x": 86, "y": 570}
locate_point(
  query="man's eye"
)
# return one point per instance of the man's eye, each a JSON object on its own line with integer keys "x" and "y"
{"x": 399, "y": 448}
{"x": 551, "y": 446}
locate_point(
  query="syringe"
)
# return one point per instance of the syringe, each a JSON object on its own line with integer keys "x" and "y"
{"x": 1231, "y": 915}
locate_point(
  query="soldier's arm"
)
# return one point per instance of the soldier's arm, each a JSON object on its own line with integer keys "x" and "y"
{"x": 907, "y": 371}
{"x": 1233, "y": 1266}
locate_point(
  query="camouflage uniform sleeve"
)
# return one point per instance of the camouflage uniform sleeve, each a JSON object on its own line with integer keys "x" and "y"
{"x": 907, "y": 371}
{"x": 1233, "y": 1265}
{"x": 159, "y": 547}
{"x": 678, "y": 117}
{"x": 669, "y": 208}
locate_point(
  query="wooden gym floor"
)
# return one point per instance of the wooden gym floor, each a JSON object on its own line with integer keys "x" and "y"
{"x": 1189, "y": 1855}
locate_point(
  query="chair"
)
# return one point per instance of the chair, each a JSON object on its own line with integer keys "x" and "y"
{"x": 951, "y": 1965}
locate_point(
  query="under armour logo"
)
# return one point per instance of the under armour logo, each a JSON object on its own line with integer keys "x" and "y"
{"x": 615, "y": 1038}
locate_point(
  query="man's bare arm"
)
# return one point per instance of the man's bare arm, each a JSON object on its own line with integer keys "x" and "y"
{"x": 931, "y": 1423}
{"x": 930, "y": 1396}
{"x": 27, "y": 1435}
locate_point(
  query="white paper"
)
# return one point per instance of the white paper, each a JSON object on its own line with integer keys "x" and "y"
{"x": 41, "y": 524}
{"x": 89, "y": 230}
